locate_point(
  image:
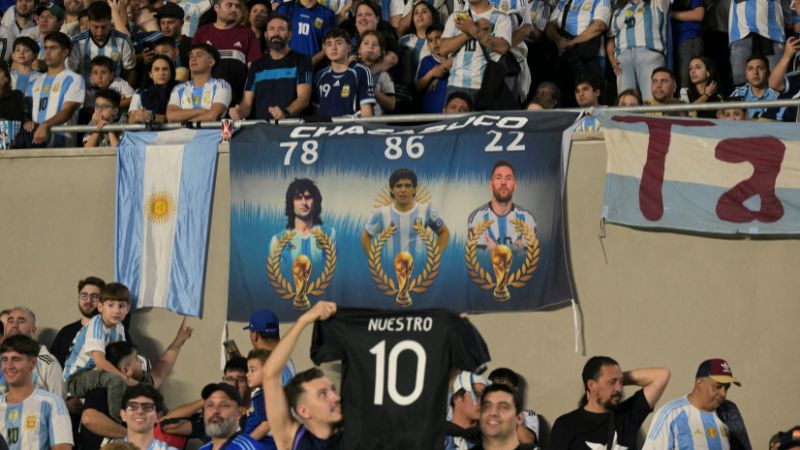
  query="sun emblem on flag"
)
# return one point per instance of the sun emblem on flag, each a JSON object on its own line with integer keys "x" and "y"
{"x": 160, "y": 207}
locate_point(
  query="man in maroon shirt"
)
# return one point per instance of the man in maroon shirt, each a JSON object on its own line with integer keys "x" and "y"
{"x": 238, "y": 46}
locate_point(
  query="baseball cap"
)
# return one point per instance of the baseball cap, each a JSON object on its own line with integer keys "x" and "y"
{"x": 170, "y": 10}
{"x": 54, "y": 8}
{"x": 718, "y": 370}
{"x": 464, "y": 380}
{"x": 263, "y": 321}
{"x": 229, "y": 390}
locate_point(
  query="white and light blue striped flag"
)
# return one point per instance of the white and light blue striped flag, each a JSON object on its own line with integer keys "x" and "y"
{"x": 165, "y": 183}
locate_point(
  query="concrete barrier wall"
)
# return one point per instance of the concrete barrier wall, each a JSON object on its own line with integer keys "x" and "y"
{"x": 647, "y": 298}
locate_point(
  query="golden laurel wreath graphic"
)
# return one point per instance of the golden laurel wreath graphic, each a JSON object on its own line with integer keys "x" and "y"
{"x": 318, "y": 286}
{"x": 424, "y": 280}
{"x": 522, "y": 275}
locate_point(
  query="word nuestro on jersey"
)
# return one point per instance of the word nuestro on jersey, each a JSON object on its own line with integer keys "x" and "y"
{"x": 395, "y": 374}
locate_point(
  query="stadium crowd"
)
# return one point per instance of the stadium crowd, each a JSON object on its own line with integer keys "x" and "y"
{"x": 107, "y": 395}
{"x": 140, "y": 61}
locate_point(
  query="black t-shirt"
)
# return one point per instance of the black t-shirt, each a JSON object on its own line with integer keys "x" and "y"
{"x": 395, "y": 372}
{"x": 576, "y": 429}
{"x": 519, "y": 447}
{"x": 63, "y": 341}
{"x": 275, "y": 81}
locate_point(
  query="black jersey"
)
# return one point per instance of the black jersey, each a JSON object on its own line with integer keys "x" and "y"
{"x": 395, "y": 372}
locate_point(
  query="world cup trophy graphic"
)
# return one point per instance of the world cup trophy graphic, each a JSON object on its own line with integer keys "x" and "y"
{"x": 501, "y": 263}
{"x": 301, "y": 270}
{"x": 403, "y": 267}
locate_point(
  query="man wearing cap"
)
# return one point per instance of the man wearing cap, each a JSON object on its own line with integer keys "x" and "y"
{"x": 170, "y": 20}
{"x": 265, "y": 334}
{"x": 50, "y": 18}
{"x": 692, "y": 421}
{"x": 462, "y": 431}
{"x": 221, "y": 413}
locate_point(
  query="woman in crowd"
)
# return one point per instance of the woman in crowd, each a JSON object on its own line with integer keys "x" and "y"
{"x": 703, "y": 85}
{"x": 637, "y": 42}
{"x": 368, "y": 17}
{"x": 414, "y": 44}
{"x": 150, "y": 103}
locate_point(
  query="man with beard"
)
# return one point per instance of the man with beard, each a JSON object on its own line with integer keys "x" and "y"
{"x": 502, "y": 211}
{"x": 237, "y": 45}
{"x": 88, "y": 296}
{"x": 280, "y": 82}
{"x": 603, "y": 420}
{"x": 19, "y": 18}
{"x": 221, "y": 412}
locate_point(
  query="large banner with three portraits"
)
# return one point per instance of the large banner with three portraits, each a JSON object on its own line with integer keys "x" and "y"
{"x": 464, "y": 214}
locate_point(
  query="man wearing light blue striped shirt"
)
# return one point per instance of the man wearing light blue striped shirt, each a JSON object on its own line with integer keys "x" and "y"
{"x": 691, "y": 422}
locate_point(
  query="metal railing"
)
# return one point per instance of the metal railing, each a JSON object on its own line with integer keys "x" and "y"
{"x": 416, "y": 118}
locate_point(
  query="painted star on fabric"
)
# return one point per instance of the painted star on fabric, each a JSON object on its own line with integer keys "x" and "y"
{"x": 596, "y": 446}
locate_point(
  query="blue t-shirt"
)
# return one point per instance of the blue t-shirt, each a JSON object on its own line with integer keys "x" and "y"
{"x": 308, "y": 26}
{"x": 256, "y": 414}
{"x": 274, "y": 81}
{"x": 239, "y": 441}
{"x": 343, "y": 93}
{"x": 683, "y": 31}
{"x": 432, "y": 101}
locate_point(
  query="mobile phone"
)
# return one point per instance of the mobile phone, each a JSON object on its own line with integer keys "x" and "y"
{"x": 231, "y": 350}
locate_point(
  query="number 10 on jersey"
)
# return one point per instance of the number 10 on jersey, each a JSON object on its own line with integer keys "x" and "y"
{"x": 386, "y": 379}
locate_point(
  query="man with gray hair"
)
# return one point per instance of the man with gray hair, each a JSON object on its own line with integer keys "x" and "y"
{"x": 221, "y": 413}
{"x": 48, "y": 374}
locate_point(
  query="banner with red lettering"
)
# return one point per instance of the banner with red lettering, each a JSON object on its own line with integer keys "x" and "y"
{"x": 702, "y": 175}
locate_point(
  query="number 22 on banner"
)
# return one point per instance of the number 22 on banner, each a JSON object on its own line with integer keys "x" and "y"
{"x": 309, "y": 155}
{"x": 514, "y": 146}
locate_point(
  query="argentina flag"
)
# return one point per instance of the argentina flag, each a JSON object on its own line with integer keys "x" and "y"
{"x": 165, "y": 183}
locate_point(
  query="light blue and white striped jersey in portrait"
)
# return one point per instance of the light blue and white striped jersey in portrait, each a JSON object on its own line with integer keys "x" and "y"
{"x": 641, "y": 25}
{"x": 39, "y": 422}
{"x": 581, "y": 14}
{"x": 50, "y": 93}
{"x": 188, "y": 96}
{"x": 306, "y": 245}
{"x": 94, "y": 336}
{"x": 469, "y": 62}
{"x": 118, "y": 47}
{"x": 502, "y": 230}
{"x": 680, "y": 425}
{"x": 405, "y": 237}
{"x": 762, "y": 17}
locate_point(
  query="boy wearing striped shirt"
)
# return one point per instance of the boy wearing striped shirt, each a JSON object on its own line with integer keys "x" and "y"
{"x": 87, "y": 367}
{"x": 30, "y": 418}
{"x": 202, "y": 97}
